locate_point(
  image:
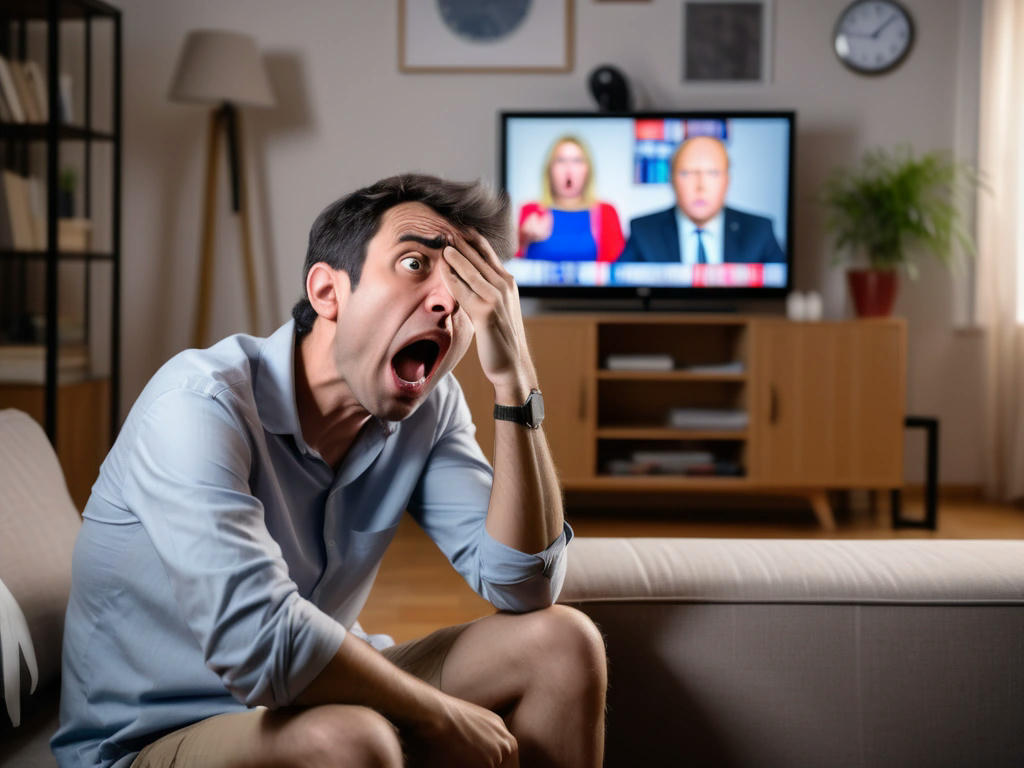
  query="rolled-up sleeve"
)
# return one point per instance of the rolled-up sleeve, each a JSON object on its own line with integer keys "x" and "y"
{"x": 188, "y": 483}
{"x": 450, "y": 503}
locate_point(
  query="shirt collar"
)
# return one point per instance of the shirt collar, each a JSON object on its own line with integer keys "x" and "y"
{"x": 274, "y": 384}
{"x": 713, "y": 227}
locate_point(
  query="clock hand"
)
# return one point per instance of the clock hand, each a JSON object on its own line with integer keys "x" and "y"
{"x": 888, "y": 21}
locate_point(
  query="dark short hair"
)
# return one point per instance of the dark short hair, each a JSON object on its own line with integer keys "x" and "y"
{"x": 341, "y": 232}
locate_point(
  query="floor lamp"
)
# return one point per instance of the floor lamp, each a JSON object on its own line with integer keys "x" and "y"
{"x": 223, "y": 69}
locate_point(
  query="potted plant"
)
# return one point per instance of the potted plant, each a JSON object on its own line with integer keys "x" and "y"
{"x": 890, "y": 209}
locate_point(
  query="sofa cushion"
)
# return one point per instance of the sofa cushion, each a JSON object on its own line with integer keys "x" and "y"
{"x": 38, "y": 525}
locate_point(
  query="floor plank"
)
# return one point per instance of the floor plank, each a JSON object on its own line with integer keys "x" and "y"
{"x": 417, "y": 591}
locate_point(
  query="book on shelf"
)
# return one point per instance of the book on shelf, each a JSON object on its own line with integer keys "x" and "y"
{"x": 639, "y": 363}
{"x": 19, "y": 210}
{"x": 5, "y": 111}
{"x": 10, "y": 92}
{"x": 724, "y": 419}
{"x": 717, "y": 369}
{"x": 37, "y": 211}
{"x": 37, "y": 89}
{"x": 26, "y": 363}
{"x": 678, "y": 463}
{"x": 66, "y": 108}
{"x": 21, "y": 85}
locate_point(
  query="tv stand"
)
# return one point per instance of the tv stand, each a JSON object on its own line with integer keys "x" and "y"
{"x": 823, "y": 403}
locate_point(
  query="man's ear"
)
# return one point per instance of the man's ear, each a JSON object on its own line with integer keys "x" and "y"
{"x": 328, "y": 289}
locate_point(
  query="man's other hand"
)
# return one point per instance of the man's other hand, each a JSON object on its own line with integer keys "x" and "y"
{"x": 463, "y": 734}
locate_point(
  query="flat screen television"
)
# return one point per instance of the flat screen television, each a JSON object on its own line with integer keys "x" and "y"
{"x": 605, "y": 208}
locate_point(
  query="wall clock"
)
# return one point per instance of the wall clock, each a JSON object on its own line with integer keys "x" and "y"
{"x": 873, "y": 36}
{"x": 483, "y": 20}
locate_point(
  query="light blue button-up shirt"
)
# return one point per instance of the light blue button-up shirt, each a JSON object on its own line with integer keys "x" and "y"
{"x": 221, "y": 561}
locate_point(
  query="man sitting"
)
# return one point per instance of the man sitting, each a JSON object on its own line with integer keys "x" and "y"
{"x": 236, "y": 527}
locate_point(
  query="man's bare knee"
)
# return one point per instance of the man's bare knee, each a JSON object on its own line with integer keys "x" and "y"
{"x": 572, "y": 644}
{"x": 336, "y": 735}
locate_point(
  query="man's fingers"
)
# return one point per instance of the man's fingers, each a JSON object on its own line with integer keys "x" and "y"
{"x": 458, "y": 288}
{"x": 470, "y": 274}
{"x": 482, "y": 256}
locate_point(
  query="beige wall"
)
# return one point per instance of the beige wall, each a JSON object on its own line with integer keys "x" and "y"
{"x": 346, "y": 116}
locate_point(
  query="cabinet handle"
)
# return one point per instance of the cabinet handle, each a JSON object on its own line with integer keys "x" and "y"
{"x": 773, "y": 411}
{"x": 583, "y": 400}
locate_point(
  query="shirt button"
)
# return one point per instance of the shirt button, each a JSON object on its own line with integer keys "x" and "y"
{"x": 332, "y": 544}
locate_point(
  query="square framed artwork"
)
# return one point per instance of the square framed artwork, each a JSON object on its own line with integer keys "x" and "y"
{"x": 485, "y": 35}
{"x": 725, "y": 41}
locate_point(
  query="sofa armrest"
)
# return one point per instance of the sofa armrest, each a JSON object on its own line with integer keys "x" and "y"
{"x": 778, "y": 570}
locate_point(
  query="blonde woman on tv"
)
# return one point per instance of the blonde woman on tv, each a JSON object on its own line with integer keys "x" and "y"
{"x": 568, "y": 223}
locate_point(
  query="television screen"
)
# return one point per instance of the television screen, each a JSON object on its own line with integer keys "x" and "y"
{"x": 651, "y": 204}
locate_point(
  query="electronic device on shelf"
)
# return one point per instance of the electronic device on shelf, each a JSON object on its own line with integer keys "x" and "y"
{"x": 574, "y": 230}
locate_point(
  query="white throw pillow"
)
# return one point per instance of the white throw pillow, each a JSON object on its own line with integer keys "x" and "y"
{"x": 15, "y": 642}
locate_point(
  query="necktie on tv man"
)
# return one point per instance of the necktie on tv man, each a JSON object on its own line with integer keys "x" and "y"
{"x": 702, "y": 255}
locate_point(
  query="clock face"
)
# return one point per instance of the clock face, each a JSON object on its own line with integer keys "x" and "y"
{"x": 483, "y": 21}
{"x": 873, "y": 36}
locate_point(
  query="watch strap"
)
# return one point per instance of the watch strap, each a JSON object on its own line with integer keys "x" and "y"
{"x": 516, "y": 413}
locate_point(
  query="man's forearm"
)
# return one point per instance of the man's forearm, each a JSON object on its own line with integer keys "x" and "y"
{"x": 357, "y": 674}
{"x": 525, "y": 510}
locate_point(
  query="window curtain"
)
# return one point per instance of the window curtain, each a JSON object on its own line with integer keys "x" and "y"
{"x": 1000, "y": 223}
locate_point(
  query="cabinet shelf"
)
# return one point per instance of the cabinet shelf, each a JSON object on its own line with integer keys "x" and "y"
{"x": 655, "y": 483}
{"x": 41, "y": 132}
{"x": 608, "y": 375}
{"x": 640, "y": 432}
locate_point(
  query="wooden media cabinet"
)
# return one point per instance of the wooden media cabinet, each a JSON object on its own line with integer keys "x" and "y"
{"x": 812, "y": 407}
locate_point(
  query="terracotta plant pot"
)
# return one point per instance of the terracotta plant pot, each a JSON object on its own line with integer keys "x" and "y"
{"x": 873, "y": 290}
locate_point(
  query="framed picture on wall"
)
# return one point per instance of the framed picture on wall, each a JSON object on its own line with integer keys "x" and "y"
{"x": 727, "y": 41}
{"x": 485, "y": 35}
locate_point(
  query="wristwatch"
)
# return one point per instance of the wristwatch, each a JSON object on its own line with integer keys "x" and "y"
{"x": 529, "y": 414}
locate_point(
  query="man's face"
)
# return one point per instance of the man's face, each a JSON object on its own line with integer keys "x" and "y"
{"x": 568, "y": 171}
{"x": 701, "y": 178}
{"x": 400, "y": 330}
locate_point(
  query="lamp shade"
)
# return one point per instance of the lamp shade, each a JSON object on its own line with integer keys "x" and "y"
{"x": 218, "y": 66}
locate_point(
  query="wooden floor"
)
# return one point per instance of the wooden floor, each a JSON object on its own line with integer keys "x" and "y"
{"x": 417, "y": 591}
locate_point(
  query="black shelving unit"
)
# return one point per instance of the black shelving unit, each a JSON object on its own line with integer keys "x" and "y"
{"x": 17, "y": 139}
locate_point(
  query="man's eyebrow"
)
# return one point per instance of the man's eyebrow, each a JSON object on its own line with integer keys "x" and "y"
{"x": 437, "y": 242}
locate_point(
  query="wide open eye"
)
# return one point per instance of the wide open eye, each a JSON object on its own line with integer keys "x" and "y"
{"x": 413, "y": 263}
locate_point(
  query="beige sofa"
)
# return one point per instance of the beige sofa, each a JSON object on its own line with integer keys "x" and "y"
{"x": 722, "y": 652}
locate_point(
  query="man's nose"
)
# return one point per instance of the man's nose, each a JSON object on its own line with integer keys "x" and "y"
{"x": 438, "y": 299}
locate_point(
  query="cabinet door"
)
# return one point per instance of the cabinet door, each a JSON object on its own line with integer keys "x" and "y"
{"x": 830, "y": 403}
{"x": 563, "y": 351}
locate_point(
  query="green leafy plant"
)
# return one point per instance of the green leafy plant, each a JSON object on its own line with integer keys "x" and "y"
{"x": 67, "y": 180}
{"x": 894, "y": 206}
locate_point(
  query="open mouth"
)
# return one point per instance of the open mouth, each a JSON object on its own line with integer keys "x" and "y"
{"x": 414, "y": 363}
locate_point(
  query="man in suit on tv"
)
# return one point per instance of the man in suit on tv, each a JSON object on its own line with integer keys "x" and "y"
{"x": 700, "y": 229}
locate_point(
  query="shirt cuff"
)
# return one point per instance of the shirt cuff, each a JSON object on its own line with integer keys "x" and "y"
{"x": 315, "y": 643}
{"x": 501, "y": 564}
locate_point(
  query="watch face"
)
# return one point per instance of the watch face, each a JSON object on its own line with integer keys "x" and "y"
{"x": 483, "y": 20}
{"x": 535, "y": 403}
{"x": 873, "y": 36}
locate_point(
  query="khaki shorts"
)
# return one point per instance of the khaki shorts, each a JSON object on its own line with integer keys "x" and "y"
{"x": 212, "y": 742}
